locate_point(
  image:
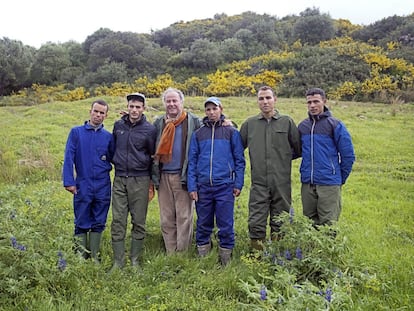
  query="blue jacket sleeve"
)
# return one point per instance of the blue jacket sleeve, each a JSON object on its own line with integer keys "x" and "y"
{"x": 69, "y": 159}
{"x": 192, "y": 164}
{"x": 239, "y": 160}
{"x": 345, "y": 148}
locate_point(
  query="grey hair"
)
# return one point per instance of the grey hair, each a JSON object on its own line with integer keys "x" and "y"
{"x": 172, "y": 90}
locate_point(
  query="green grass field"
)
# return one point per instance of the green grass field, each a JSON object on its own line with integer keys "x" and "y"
{"x": 368, "y": 267}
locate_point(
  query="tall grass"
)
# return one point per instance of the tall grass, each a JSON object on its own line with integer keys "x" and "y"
{"x": 367, "y": 267}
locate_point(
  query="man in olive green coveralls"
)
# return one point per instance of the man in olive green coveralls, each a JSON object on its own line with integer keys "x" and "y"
{"x": 273, "y": 141}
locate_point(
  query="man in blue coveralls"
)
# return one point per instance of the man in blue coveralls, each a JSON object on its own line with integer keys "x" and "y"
{"x": 86, "y": 168}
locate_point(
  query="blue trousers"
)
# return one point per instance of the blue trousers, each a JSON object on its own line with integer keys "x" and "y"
{"x": 91, "y": 205}
{"x": 215, "y": 201}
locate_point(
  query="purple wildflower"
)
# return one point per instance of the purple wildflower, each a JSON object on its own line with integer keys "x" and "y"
{"x": 13, "y": 241}
{"x": 328, "y": 294}
{"x": 12, "y": 214}
{"x": 17, "y": 245}
{"x": 21, "y": 247}
{"x": 288, "y": 255}
{"x": 280, "y": 261}
{"x": 61, "y": 262}
{"x": 263, "y": 293}
{"x": 291, "y": 214}
{"x": 299, "y": 253}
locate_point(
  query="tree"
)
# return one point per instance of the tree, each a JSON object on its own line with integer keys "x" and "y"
{"x": 265, "y": 33}
{"x": 231, "y": 50}
{"x": 15, "y": 63}
{"x": 313, "y": 27}
{"x": 50, "y": 61}
{"x": 107, "y": 74}
{"x": 138, "y": 54}
{"x": 250, "y": 44}
{"x": 165, "y": 37}
{"x": 322, "y": 66}
{"x": 203, "y": 55}
{"x": 96, "y": 36}
{"x": 71, "y": 74}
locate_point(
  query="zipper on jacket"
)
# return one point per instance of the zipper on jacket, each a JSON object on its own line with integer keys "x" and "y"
{"x": 211, "y": 153}
{"x": 128, "y": 151}
{"x": 312, "y": 149}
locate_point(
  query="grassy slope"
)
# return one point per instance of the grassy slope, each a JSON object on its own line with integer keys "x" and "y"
{"x": 378, "y": 209}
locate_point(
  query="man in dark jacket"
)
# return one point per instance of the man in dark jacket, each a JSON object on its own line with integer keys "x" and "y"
{"x": 86, "y": 170}
{"x": 327, "y": 159}
{"x": 134, "y": 140}
{"x": 215, "y": 177}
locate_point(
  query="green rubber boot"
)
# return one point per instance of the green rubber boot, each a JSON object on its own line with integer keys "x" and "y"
{"x": 81, "y": 245}
{"x": 94, "y": 245}
{"x": 225, "y": 256}
{"x": 204, "y": 250}
{"x": 119, "y": 255}
{"x": 136, "y": 251}
{"x": 257, "y": 244}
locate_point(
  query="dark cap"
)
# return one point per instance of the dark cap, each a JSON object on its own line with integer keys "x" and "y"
{"x": 139, "y": 96}
{"x": 214, "y": 100}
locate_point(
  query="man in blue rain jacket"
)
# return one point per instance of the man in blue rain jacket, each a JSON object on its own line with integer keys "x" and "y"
{"x": 215, "y": 177}
{"x": 327, "y": 160}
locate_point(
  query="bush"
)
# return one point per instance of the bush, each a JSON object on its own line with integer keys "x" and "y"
{"x": 305, "y": 268}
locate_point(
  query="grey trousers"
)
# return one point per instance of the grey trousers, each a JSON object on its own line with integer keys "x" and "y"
{"x": 320, "y": 203}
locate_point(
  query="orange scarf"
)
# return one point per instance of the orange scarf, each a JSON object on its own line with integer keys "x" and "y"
{"x": 165, "y": 146}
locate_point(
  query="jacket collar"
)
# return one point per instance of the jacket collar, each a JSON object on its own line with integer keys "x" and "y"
{"x": 275, "y": 116}
{"x": 125, "y": 118}
{"x": 325, "y": 114}
{"x": 88, "y": 126}
{"x": 209, "y": 123}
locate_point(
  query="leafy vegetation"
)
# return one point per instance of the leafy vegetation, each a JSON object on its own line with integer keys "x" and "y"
{"x": 368, "y": 266}
{"x": 310, "y": 49}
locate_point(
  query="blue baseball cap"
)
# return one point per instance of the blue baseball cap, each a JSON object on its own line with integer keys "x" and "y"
{"x": 214, "y": 100}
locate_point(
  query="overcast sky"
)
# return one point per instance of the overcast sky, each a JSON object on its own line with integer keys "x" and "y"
{"x": 35, "y": 22}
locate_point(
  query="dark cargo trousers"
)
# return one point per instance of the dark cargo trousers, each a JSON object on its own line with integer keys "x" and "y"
{"x": 265, "y": 203}
{"x": 129, "y": 196}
